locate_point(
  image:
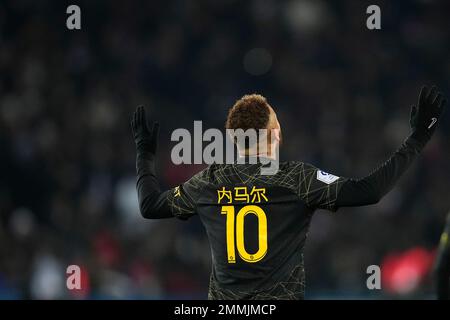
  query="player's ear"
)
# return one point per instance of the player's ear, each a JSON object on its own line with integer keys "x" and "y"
{"x": 276, "y": 134}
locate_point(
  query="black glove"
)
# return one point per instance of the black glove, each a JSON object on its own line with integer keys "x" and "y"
{"x": 425, "y": 116}
{"x": 146, "y": 140}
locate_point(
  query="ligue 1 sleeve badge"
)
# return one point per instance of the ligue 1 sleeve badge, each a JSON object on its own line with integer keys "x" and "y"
{"x": 325, "y": 177}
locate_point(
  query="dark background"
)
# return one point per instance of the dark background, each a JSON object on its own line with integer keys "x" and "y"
{"x": 342, "y": 93}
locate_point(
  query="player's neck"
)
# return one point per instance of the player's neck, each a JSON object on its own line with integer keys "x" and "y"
{"x": 258, "y": 153}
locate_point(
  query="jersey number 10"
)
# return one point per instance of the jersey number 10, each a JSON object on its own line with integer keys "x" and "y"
{"x": 235, "y": 235}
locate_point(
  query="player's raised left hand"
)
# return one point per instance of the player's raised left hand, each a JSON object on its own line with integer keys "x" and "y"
{"x": 425, "y": 116}
{"x": 145, "y": 139}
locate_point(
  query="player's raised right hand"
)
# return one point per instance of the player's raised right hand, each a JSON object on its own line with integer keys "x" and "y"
{"x": 145, "y": 139}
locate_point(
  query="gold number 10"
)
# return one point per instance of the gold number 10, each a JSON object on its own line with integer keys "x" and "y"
{"x": 262, "y": 233}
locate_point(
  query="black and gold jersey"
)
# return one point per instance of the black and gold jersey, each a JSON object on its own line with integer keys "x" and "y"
{"x": 256, "y": 224}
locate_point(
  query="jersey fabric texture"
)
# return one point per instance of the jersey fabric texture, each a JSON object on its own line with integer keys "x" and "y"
{"x": 284, "y": 204}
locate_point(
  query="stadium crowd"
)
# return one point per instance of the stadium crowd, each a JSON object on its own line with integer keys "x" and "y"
{"x": 343, "y": 94}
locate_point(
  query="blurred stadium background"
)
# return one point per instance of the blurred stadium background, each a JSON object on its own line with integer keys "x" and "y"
{"x": 343, "y": 93}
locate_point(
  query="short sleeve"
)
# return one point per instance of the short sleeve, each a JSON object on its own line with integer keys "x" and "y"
{"x": 183, "y": 198}
{"x": 319, "y": 189}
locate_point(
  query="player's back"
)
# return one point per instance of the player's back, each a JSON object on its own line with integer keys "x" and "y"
{"x": 256, "y": 225}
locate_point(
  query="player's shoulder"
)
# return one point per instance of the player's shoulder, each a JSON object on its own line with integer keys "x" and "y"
{"x": 202, "y": 176}
{"x": 308, "y": 172}
{"x": 305, "y": 171}
{"x": 227, "y": 173}
{"x": 294, "y": 166}
{"x": 211, "y": 172}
